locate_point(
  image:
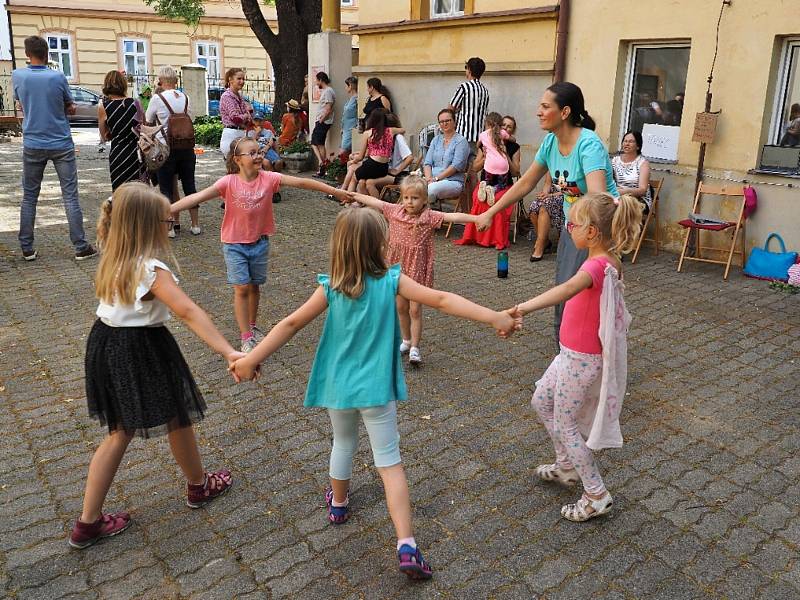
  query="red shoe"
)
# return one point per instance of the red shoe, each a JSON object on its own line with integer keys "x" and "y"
{"x": 109, "y": 524}
{"x": 215, "y": 485}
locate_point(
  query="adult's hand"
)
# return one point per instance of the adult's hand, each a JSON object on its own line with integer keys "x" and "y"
{"x": 71, "y": 108}
{"x": 484, "y": 222}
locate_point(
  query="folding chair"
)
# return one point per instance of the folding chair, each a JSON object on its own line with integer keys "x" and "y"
{"x": 650, "y": 216}
{"x": 393, "y": 187}
{"x": 518, "y": 215}
{"x": 723, "y": 193}
{"x": 464, "y": 198}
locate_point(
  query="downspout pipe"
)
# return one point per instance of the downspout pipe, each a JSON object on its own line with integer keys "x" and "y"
{"x": 562, "y": 32}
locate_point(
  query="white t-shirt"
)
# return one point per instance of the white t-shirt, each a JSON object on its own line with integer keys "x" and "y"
{"x": 142, "y": 313}
{"x": 400, "y": 151}
{"x": 177, "y": 101}
{"x": 327, "y": 96}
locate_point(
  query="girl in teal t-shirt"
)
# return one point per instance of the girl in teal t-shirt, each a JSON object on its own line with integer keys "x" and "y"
{"x": 357, "y": 369}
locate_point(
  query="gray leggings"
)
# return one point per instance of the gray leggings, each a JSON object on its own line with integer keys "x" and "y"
{"x": 381, "y": 424}
{"x": 568, "y": 260}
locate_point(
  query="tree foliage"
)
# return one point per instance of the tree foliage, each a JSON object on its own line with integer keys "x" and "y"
{"x": 188, "y": 11}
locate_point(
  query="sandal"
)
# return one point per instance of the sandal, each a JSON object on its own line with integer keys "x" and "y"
{"x": 558, "y": 475}
{"x": 547, "y": 248}
{"x": 579, "y": 511}
{"x": 215, "y": 485}
{"x": 482, "y": 191}
{"x": 337, "y": 514}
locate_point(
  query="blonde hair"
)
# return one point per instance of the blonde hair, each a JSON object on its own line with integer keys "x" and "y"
{"x": 357, "y": 247}
{"x": 618, "y": 220}
{"x": 129, "y": 231}
{"x": 416, "y": 183}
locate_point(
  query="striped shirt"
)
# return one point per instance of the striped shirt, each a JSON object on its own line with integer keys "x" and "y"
{"x": 470, "y": 100}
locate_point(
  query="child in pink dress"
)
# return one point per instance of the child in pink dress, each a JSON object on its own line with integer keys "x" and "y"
{"x": 411, "y": 227}
{"x": 579, "y": 398}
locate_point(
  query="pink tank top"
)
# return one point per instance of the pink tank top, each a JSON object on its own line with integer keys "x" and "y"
{"x": 580, "y": 323}
{"x": 383, "y": 147}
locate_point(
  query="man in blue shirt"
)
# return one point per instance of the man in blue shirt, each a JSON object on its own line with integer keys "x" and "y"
{"x": 46, "y": 100}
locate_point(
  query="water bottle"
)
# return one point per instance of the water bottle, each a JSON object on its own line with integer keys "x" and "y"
{"x": 502, "y": 264}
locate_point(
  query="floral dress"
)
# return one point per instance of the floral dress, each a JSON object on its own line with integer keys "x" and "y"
{"x": 411, "y": 241}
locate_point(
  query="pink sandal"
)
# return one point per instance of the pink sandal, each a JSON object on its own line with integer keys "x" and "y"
{"x": 216, "y": 484}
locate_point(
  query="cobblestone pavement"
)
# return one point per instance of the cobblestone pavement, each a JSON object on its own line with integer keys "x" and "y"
{"x": 706, "y": 487}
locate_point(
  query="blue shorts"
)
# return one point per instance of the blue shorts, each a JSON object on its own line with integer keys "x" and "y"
{"x": 272, "y": 156}
{"x": 247, "y": 263}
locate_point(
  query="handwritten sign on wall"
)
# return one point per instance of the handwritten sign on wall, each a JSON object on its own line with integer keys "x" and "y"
{"x": 705, "y": 125}
{"x": 660, "y": 141}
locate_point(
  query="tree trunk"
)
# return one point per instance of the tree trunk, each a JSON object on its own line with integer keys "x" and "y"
{"x": 288, "y": 49}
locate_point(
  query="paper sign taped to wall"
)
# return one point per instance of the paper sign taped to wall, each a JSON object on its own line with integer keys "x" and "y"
{"x": 312, "y": 83}
{"x": 660, "y": 141}
{"x": 705, "y": 125}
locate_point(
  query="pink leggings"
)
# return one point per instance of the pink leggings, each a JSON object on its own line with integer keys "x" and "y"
{"x": 568, "y": 383}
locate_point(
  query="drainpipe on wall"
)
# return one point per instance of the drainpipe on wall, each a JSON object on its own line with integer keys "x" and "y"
{"x": 562, "y": 31}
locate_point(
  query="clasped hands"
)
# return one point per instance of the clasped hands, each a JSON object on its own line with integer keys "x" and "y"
{"x": 508, "y": 321}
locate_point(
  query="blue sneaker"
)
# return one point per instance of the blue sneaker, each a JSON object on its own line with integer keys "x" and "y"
{"x": 412, "y": 563}
{"x": 336, "y": 514}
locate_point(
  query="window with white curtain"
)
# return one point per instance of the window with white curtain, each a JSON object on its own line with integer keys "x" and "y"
{"x": 60, "y": 53}
{"x": 447, "y": 8}
{"x": 207, "y": 54}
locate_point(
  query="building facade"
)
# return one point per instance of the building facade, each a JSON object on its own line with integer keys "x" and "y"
{"x": 642, "y": 64}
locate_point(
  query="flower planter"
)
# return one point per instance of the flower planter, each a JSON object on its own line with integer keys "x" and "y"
{"x": 297, "y": 162}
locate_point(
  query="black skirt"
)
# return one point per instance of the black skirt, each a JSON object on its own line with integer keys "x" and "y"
{"x": 372, "y": 169}
{"x": 138, "y": 381}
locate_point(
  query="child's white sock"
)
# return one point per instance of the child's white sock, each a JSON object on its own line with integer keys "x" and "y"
{"x": 340, "y": 504}
{"x": 407, "y": 541}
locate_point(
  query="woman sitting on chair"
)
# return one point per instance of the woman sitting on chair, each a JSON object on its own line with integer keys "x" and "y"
{"x": 446, "y": 161}
{"x": 632, "y": 170}
{"x": 402, "y": 157}
{"x": 497, "y": 235}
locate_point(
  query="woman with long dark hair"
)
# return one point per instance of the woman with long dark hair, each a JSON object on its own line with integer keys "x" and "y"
{"x": 378, "y": 146}
{"x": 577, "y": 162}
{"x": 377, "y": 97}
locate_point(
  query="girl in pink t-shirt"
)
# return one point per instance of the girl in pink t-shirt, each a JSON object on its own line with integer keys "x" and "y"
{"x": 495, "y": 165}
{"x": 572, "y": 384}
{"x": 247, "y": 226}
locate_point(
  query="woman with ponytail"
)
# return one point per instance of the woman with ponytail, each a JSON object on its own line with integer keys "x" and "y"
{"x": 578, "y": 163}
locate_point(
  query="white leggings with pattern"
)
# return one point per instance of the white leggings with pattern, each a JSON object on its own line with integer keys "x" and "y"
{"x": 558, "y": 398}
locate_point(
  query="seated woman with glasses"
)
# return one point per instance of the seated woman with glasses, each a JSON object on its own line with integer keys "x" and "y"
{"x": 446, "y": 161}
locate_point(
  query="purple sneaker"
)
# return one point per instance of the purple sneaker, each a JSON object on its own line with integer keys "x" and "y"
{"x": 412, "y": 563}
{"x": 216, "y": 484}
{"x": 336, "y": 514}
{"x": 109, "y": 524}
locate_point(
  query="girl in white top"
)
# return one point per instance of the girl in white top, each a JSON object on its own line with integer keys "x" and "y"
{"x": 137, "y": 382}
{"x": 632, "y": 170}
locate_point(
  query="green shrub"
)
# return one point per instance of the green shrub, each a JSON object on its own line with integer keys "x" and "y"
{"x": 297, "y": 147}
{"x": 208, "y": 131}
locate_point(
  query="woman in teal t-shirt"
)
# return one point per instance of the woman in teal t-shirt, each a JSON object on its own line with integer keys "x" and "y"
{"x": 577, "y": 161}
{"x": 357, "y": 370}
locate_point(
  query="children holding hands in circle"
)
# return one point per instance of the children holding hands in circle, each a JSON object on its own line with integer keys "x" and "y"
{"x": 247, "y": 226}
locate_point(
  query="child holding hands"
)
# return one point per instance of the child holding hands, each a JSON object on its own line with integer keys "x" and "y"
{"x": 137, "y": 382}
{"x": 357, "y": 370}
{"x": 579, "y": 398}
{"x": 411, "y": 227}
{"x": 247, "y": 226}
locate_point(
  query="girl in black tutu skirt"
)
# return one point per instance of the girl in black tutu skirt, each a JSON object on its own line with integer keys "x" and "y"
{"x": 137, "y": 382}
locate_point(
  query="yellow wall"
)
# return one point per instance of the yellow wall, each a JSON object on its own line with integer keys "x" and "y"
{"x": 383, "y": 11}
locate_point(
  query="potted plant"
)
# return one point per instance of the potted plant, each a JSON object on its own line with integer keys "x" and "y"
{"x": 336, "y": 170}
{"x": 297, "y": 156}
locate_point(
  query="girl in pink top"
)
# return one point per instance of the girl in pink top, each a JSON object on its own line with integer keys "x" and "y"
{"x": 411, "y": 227}
{"x": 495, "y": 165}
{"x": 247, "y": 226}
{"x": 572, "y": 398}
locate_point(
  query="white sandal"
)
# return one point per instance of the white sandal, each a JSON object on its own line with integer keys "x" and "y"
{"x": 558, "y": 475}
{"x": 579, "y": 512}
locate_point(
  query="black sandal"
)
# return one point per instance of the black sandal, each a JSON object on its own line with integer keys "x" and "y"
{"x": 547, "y": 247}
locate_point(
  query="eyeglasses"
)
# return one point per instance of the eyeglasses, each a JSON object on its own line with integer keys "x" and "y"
{"x": 445, "y": 121}
{"x": 254, "y": 154}
{"x": 571, "y": 226}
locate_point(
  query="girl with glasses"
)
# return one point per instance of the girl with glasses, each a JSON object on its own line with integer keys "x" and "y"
{"x": 579, "y": 397}
{"x": 247, "y": 225}
{"x": 137, "y": 381}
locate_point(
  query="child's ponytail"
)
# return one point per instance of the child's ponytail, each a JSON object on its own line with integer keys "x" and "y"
{"x": 230, "y": 163}
{"x": 625, "y": 224}
{"x": 104, "y": 222}
{"x": 494, "y": 122}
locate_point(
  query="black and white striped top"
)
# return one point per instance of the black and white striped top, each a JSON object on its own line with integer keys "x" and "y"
{"x": 470, "y": 100}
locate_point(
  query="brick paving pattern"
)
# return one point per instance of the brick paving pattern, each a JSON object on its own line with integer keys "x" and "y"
{"x": 706, "y": 487}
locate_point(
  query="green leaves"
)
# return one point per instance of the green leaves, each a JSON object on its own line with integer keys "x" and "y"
{"x": 188, "y": 11}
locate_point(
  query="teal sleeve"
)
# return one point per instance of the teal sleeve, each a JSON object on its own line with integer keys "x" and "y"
{"x": 325, "y": 281}
{"x": 593, "y": 156}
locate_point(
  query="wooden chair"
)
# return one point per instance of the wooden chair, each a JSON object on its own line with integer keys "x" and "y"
{"x": 395, "y": 188}
{"x": 464, "y": 199}
{"x": 724, "y": 194}
{"x": 651, "y": 216}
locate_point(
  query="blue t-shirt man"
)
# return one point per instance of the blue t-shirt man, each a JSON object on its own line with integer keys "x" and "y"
{"x": 569, "y": 172}
{"x": 44, "y": 95}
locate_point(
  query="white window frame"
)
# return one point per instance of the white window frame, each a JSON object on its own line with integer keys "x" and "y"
{"x": 348, "y": 2}
{"x": 217, "y": 58}
{"x": 629, "y": 67}
{"x": 776, "y": 124}
{"x": 445, "y": 15}
{"x": 138, "y": 78}
{"x": 60, "y": 35}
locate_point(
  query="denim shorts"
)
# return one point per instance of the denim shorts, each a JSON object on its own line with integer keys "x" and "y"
{"x": 247, "y": 263}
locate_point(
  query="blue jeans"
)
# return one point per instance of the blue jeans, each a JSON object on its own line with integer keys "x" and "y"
{"x": 247, "y": 263}
{"x": 381, "y": 424}
{"x": 33, "y": 163}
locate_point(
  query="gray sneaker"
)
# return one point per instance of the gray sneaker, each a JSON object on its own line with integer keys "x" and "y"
{"x": 258, "y": 335}
{"x": 248, "y": 345}
{"x": 30, "y": 254}
{"x": 89, "y": 252}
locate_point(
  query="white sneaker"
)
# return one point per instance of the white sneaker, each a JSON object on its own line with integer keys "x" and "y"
{"x": 489, "y": 195}
{"x": 248, "y": 345}
{"x": 405, "y": 346}
{"x": 482, "y": 191}
{"x": 196, "y": 230}
{"x": 258, "y": 335}
{"x": 172, "y": 234}
{"x": 414, "y": 356}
